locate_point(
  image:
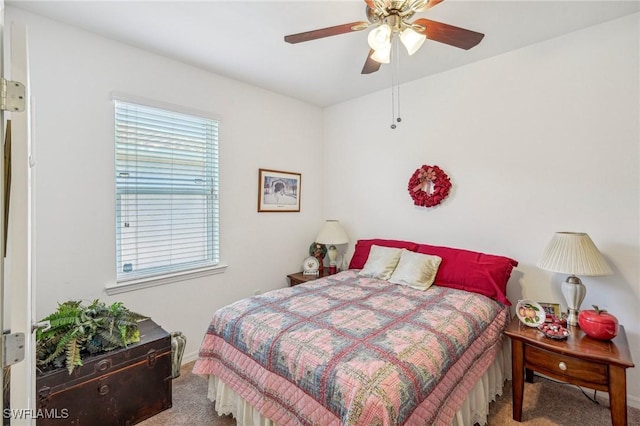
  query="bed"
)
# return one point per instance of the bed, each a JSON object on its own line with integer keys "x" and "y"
{"x": 401, "y": 338}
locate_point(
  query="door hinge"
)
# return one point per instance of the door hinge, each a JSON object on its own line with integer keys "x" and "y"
{"x": 12, "y": 96}
{"x": 13, "y": 348}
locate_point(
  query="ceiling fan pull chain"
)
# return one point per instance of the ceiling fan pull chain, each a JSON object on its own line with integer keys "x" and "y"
{"x": 395, "y": 85}
{"x": 393, "y": 105}
{"x": 398, "y": 119}
{"x": 393, "y": 91}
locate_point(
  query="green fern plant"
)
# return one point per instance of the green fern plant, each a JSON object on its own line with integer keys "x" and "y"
{"x": 78, "y": 330}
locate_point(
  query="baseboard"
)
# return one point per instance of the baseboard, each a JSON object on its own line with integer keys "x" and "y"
{"x": 190, "y": 357}
{"x": 633, "y": 401}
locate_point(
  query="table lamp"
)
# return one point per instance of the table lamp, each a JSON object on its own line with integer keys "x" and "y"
{"x": 573, "y": 253}
{"x": 332, "y": 233}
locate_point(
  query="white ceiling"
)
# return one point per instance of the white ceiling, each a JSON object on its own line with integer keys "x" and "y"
{"x": 244, "y": 39}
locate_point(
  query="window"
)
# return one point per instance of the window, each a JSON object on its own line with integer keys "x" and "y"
{"x": 166, "y": 175}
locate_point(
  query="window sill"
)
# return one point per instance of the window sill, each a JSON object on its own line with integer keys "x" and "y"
{"x": 126, "y": 286}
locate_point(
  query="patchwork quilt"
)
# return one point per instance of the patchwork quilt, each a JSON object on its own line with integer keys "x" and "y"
{"x": 350, "y": 350}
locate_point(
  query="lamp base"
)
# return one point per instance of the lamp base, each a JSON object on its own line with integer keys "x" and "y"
{"x": 572, "y": 319}
{"x": 333, "y": 254}
{"x": 573, "y": 291}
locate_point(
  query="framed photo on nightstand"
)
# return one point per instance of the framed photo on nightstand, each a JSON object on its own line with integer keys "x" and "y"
{"x": 551, "y": 309}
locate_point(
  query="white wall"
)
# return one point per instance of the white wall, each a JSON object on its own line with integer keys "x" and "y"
{"x": 73, "y": 73}
{"x": 538, "y": 140}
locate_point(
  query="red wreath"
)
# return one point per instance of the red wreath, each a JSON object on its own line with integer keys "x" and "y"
{"x": 429, "y": 186}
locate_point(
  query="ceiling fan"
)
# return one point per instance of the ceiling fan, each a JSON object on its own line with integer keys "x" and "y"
{"x": 389, "y": 18}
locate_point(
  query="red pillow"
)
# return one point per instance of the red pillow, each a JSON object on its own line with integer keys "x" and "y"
{"x": 481, "y": 273}
{"x": 363, "y": 247}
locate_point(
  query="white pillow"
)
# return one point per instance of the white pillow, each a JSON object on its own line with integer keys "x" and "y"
{"x": 416, "y": 270}
{"x": 381, "y": 262}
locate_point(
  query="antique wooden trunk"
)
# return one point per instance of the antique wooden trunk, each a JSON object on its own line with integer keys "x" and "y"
{"x": 121, "y": 387}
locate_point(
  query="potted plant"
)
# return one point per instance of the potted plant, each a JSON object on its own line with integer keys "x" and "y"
{"x": 77, "y": 330}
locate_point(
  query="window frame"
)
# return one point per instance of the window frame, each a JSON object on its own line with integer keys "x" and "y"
{"x": 165, "y": 277}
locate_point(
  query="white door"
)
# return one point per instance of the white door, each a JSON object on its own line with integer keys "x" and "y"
{"x": 2, "y": 130}
{"x": 16, "y": 279}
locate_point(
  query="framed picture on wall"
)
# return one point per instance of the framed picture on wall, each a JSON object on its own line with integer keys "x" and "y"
{"x": 278, "y": 191}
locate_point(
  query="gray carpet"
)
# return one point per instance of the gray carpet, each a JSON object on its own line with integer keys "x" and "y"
{"x": 546, "y": 404}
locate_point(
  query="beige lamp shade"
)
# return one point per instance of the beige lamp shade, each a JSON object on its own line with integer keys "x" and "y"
{"x": 332, "y": 233}
{"x": 573, "y": 253}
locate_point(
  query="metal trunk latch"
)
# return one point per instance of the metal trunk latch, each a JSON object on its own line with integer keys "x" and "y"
{"x": 44, "y": 394}
{"x": 151, "y": 358}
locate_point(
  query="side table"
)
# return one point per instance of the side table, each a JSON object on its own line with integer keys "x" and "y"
{"x": 578, "y": 359}
{"x": 299, "y": 277}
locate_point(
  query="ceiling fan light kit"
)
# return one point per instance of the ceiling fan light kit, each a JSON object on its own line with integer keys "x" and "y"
{"x": 380, "y": 37}
{"x": 412, "y": 40}
{"x": 382, "y": 55}
{"x": 380, "y": 41}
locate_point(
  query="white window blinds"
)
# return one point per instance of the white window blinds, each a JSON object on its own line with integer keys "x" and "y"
{"x": 166, "y": 191}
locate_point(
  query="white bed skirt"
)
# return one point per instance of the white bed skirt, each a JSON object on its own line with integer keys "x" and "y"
{"x": 475, "y": 407}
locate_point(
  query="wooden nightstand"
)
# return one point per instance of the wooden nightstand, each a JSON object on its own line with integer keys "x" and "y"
{"x": 299, "y": 277}
{"x": 579, "y": 359}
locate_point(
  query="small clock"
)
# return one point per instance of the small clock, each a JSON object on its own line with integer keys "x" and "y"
{"x": 310, "y": 266}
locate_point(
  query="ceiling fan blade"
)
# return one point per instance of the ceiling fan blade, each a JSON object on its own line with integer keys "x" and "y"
{"x": 370, "y": 66}
{"x": 326, "y": 32}
{"x": 448, "y": 34}
{"x": 433, "y": 3}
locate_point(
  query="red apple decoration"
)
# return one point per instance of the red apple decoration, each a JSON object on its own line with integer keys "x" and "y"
{"x": 598, "y": 323}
